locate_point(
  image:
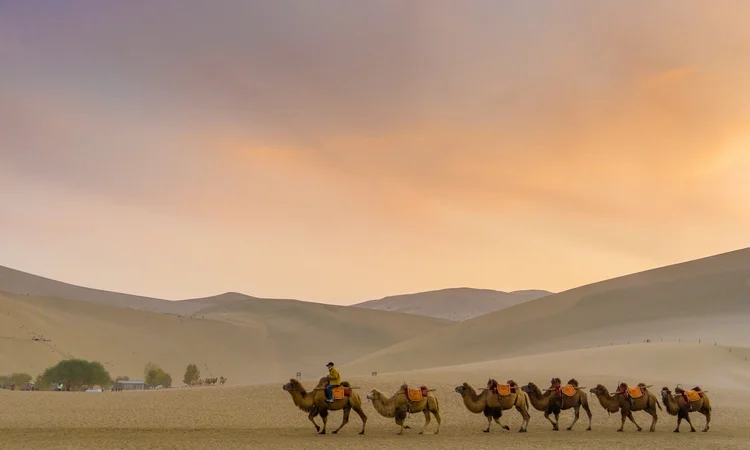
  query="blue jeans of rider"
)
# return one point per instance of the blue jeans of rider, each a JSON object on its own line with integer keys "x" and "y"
{"x": 329, "y": 391}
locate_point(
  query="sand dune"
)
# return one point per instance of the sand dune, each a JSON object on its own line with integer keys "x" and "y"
{"x": 247, "y": 341}
{"x": 21, "y": 283}
{"x": 582, "y": 333}
{"x": 703, "y": 299}
{"x": 457, "y": 304}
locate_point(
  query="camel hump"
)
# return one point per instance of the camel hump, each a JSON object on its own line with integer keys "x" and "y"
{"x": 697, "y": 389}
{"x": 573, "y": 382}
{"x": 346, "y": 384}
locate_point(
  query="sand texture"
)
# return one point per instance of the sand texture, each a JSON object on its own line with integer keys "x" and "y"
{"x": 683, "y": 324}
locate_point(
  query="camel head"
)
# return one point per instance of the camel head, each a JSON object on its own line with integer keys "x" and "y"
{"x": 293, "y": 386}
{"x": 599, "y": 390}
{"x": 529, "y": 388}
{"x": 665, "y": 391}
{"x": 375, "y": 395}
{"x": 464, "y": 388}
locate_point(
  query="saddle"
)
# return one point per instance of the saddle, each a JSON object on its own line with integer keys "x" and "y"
{"x": 340, "y": 392}
{"x": 633, "y": 393}
{"x": 690, "y": 396}
{"x": 568, "y": 390}
{"x": 416, "y": 395}
{"x": 502, "y": 390}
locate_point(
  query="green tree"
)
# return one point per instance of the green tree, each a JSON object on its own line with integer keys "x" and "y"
{"x": 192, "y": 373}
{"x": 20, "y": 379}
{"x": 155, "y": 376}
{"x": 79, "y": 372}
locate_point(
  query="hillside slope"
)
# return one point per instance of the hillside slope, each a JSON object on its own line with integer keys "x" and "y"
{"x": 704, "y": 299}
{"x": 456, "y": 304}
{"x": 16, "y": 282}
{"x": 248, "y": 341}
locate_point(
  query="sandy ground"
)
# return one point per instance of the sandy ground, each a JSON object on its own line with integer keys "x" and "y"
{"x": 264, "y": 417}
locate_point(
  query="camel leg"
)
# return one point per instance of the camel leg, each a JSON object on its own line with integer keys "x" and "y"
{"x": 505, "y": 427}
{"x": 632, "y": 419}
{"x": 426, "y": 420}
{"x": 489, "y": 422}
{"x": 655, "y": 418}
{"x": 311, "y": 416}
{"x": 577, "y": 411}
{"x": 526, "y": 418}
{"x": 362, "y": 417}
{"x": 588, "y": 413}
{"x": 708, "y": 419}
{"x": 496, "y": 414}
{"x": 554, "y": 425}
{"x": 347, "y": 411}
{"x": 436, "y": 413}
{"x": 324, "y": 416}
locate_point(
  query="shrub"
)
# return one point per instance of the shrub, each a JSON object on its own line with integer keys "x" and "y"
{"x": 191, "y": 374}
{"x": 78, "y": 372}
{"x": 20, "y": 379}
{"x": 155, "y": 376}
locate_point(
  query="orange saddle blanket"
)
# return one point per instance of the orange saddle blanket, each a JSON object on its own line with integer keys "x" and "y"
{"x": 635, "y": 392}
{"x": 569, "y": 390}
{"x": 416, "y": 395}
{"x": 503, "y": 390}
{"x": 693, "y": 396}
{"x": 340, "y": 392}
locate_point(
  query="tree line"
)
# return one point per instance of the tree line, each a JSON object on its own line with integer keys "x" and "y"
{"x": 80, "y": 373}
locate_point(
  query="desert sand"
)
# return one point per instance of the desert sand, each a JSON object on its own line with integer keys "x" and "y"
{"x": 442, "y": 304}
{"x": 694, "y": 316}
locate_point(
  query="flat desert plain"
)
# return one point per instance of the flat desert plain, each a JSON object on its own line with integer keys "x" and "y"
{"x": 263, "y": 416}
{"x": 683, "y": 324}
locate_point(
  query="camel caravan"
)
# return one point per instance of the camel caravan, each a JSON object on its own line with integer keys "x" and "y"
{"x": 495, "y": 398}
{"x": 208, "y": 381}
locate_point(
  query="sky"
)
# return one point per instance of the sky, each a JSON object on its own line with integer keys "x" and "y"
{"x": 339, "y": 151}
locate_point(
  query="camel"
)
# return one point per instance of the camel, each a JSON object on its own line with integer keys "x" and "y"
{"x": 399, "y": 405}
{"x": 677, "y": 405}
{"x": 646, "y": 402}
{"x": 550, "y": 402}
{"x": 222, "y": 380}
{"x": 315, "y": 403}
{"x": 488, "y": 399}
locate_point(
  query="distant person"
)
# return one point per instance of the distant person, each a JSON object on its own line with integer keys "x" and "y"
{"x": 334, "y": 380}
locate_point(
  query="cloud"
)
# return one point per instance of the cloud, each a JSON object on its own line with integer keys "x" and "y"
{"x": 616, "y": 122}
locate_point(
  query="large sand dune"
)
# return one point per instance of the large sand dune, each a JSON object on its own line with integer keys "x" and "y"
{"x": 457, "y": 304}
{"x": 705, "y": 299}
{"x": 581, "y": 333}
{"x": 244, "y": 340}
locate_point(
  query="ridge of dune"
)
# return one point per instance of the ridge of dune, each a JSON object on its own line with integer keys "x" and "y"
{"x": 700, "y": 299}
{"x": 245, "y": 340}
{"x": 456, "y": 304}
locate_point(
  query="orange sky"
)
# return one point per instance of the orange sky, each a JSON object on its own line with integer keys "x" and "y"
{"x": 337, "y": 152}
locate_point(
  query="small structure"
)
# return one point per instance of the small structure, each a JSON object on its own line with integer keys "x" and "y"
{"x": 131, "y": 385}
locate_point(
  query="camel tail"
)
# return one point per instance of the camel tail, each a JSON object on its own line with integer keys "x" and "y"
{"x": 355, "y": 401}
